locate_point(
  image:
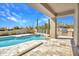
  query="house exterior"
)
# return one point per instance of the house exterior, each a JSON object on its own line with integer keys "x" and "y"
{"x": 54, "y": 10}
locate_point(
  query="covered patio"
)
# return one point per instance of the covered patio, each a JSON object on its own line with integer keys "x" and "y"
{"x": 54, "y": 10}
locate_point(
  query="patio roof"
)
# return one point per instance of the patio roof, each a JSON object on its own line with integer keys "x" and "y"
{"x": 54, "y": 9}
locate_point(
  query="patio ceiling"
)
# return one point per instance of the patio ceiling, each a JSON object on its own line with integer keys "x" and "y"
{"x": 54, "y": 9}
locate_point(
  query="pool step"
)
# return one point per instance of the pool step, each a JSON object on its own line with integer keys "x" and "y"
{"x": 29, "y": 49}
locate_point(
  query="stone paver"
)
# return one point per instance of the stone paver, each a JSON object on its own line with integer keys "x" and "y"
{"x": 53, "y": 47}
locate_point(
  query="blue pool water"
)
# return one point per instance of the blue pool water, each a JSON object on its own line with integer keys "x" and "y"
{"x": 8, "y": 41}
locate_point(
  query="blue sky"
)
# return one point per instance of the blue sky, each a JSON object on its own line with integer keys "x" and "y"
{"x": 22, "y": 15}
{"x": 66, "y": 19}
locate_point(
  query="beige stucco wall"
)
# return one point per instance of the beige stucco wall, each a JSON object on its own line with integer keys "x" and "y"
{"x": 52, "y": 28}
{"x": 76, "y": 26}
{"x": 70, "y": 33}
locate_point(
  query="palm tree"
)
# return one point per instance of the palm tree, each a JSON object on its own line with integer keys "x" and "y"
{"x": 40, "y": 28}
{"x": 48, "y": 26}
{"x": 16, "y": 27}
{"x": 37, "y": 25}
{"x": 30, "y": 29}
{"x": 45, "y": 27}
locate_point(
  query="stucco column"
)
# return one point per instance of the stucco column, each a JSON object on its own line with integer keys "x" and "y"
{"x": 76, "y": 25}
{"x": 53, "y": 27}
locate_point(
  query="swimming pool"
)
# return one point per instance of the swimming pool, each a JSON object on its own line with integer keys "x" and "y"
{"x": 12, "y": 40}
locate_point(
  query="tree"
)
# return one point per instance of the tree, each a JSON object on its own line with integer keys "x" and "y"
{"x": 48, "y": 26}
{"x": 3, "y": 29}
{"x": 37, "y": 25}
{"x": 30, "y": 29}
{"x": 16, "y": 27}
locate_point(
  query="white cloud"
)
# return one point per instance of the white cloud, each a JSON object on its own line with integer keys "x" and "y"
{"x": 13, "y": 19}
{"x": 5, "y": 13}
{"x": 24, "y": 21}
{"x": 21, "y": 22}
{"x": 39, "y": 21}
{"x": 8, "y": 12}
{"x": 16, "y": 20}
{"x": 14, "y": 14}
{"x": 43, "y": 20}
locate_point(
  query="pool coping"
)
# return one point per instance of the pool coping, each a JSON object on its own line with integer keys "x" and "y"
{"x": 31, "y": 34}
{"x": 29, "y": 49}
{"x": 19, "y": 35}
{"x": 16, "y": 35}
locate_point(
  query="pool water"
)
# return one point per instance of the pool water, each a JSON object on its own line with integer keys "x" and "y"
{"x": 11, "y": 40}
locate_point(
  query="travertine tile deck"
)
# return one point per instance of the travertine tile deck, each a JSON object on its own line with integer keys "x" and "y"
{"x": 53, "y": 47}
